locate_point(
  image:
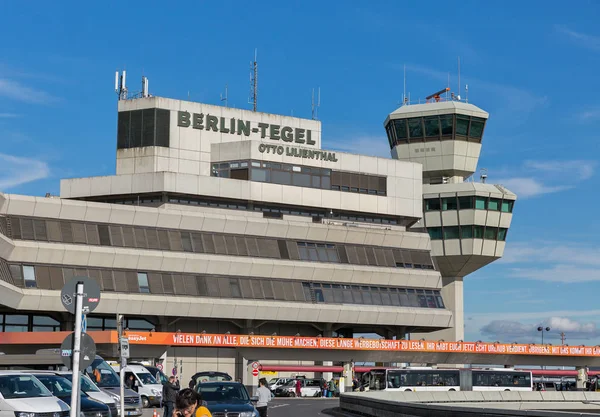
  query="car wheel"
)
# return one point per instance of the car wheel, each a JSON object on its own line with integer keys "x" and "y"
{"x": 145, "y": 402}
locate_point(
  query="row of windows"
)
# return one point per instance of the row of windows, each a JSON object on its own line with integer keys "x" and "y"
{"x": 28, "y": 323}
{"x": 430, "y": 128}
{"x": 155, "y": 200}
{"x": 138, "y": 128}
{"x": 469, "y": 203}
{"x": 301, "y": 176}
{"x": 53, "y": 278}
{"x": 210, "y": 243}
{"x": 468, "y": 232}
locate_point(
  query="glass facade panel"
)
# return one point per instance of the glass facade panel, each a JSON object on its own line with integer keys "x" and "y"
{"x": 143, "y": 282}
{"x": 415, "y": 128}
{"x": 507, "y": 206}
{"x": 478, "y": 232}
{"x": 446, "y": 125}
{"x": 260, "y": 175}
{"x": 435, "y": 233}
{"x": 400, "y": 127}
{"x": 502, "y": 234}
{"x": 451, "y": 232}
{"x": 449, "y": 203}
{"x": 466, "y": 232}
{"x": 465, "y": 203}
{"x": 432, "y": 126}
{"x": 491, "y": 233}
{"x": 432, "y": 204}
{"x": 480, "y": 203}
{"x": 476, "y": 127}
{"x": 29, "y": 276}
{"x": 494, "y": 204}
{"x": 462, "y": 125}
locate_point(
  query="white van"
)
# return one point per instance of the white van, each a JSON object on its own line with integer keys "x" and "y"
{"x": 145, "y": 384}
{"x": 22, "y": 394}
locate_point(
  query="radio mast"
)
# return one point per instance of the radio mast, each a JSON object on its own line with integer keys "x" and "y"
{"x": 317, "y": 104}
{"x": 120, "y": 87}
{"x": 254, "y": 82}
{"x": 224, "y": 98}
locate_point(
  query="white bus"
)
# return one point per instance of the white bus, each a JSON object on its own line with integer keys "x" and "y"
{"x": 432, "y": 379}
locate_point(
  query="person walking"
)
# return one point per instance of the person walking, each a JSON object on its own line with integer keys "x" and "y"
{"x": 264, "y": 396}
{"x": 169, "y": 394}
{"x": 298, "y": 388}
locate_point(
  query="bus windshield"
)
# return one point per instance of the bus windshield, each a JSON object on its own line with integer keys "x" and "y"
{"x": 102, "y": 374}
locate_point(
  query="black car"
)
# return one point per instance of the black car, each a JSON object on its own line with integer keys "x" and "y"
{"x": 61, "y": 387}
{"x": 227, "y": 398}
{"x": 211, "y": 376}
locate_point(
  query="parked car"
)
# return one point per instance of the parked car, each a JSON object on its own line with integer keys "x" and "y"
{"x": 310, "y": 387}
{"x": 211, "y": 376}
{"x": 22, "y": 395}
{"x": 61, "y": 387}
{"x": 154, "y": 371}
{"x": 146, "y": 385}
{"x": 226, "y": 398}
{"x": 275, "y": 383}
{"x": 93, "y": 391}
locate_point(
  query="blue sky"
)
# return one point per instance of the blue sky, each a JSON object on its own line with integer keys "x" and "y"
{"x": 532, "y": 65}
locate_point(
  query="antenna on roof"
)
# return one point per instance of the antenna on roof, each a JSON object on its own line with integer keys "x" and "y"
{"x": 145, "y": 92}
{"x": 483, "y": 174}
{"x": 254, "y": 82}
{"x": 404, "y": 91}
{"x": 459, "y": 78}
{"x": 316, "y": 105}
{"x": 225, "y": 97}
{"x": 120, "y": 87}
{"x": 448, "y": 89}
{"x": 467, "y": 93}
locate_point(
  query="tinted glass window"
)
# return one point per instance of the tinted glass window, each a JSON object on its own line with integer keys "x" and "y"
{"x": 449, "y": 203}
{"x": 465, "y": 203}
{"x": 494, "y": 204}
{"x": 400, "y": 126}
{"x": 507, "y": 206}
{"x": 462, "y": 125}
{"x": 466, "y": 232}
{"x": 446, "y": 125}
{"x": 435, "y": 233}
{"x": 432, "y": 204}
{"x": 432, "y": 126}
{"x": 490, "y": 233}
{"x": 476, "y": 127}
{"x": 478, "y": 232}
{"x": 415, "y": 128}
{"x": 451, "y": 232}
{"x": 480, "y": 203}
{"x": 502, "y": 234}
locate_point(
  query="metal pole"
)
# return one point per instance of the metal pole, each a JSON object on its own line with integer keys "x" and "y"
{"x": 122, "y": 385}
{"x": 76, "y": 389}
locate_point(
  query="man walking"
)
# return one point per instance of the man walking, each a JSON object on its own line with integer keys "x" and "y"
{"x": 169, "y": 394}
{"x": 264, "y": 396}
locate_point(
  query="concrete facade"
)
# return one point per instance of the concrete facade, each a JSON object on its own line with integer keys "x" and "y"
{"x": 176, "y": 241}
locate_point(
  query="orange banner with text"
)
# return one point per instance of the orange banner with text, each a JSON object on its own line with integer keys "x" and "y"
{"x": 325, "y": 343}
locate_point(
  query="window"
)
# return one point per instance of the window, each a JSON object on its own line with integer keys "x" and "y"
{"x": 449, "y": 203}
{"x": 507, "y": 206}
{"x": 465, "y": 203}
{"x": 29, "y": 276}
{"x": 490, "y": 233}
{"x": 480, "y": 203}
{"x": 446, "y": 125}
{"x": 478, "y": 232}
{"x": 143, "y": 282}
{"x": 415, "y": 128}
{"x": 236, "y": 292}
{"x": 476, "y": 127}
{"x": 432, "y": 127}
{"x": 16, "y": 323}
{"x": 451, "y": 232}
{"x": 462, "y": 125}
{"x": 494, "y": 204}
{"x": 502, "y": 234}
{"x": 466, "y": 232}
{"x": 45, "y": 324}
{"x": 400, "y": 127}
{"x": 260, "y": 175}
{"x": 435, "y": 233}
{"x": 432, "y": 204}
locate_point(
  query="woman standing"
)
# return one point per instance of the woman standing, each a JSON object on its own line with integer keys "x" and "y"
{"x": 188, "y": 404}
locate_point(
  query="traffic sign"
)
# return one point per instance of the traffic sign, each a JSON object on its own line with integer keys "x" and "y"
{"x": 91, "y": 294}
{"x": 159, "y": 366}
{"x": 255, "y": 372}
{"x": 255, "y": 365}
{"x": 87, "y": 351}
{"x": 174, "y": 371}
{"x": 124, "y": 346}
{"x": 83, "y": 323}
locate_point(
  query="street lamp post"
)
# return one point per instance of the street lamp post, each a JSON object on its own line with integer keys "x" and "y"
{"x": 543, "y": 329}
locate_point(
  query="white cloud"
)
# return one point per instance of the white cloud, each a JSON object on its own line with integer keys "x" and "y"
{"x": 559, "y": 273}
{"x": 15, "y": 90}
{"x": 8, "y": 115}
{"x": 364, "y": 145}
{"x": 529, "y": 187}
{"x": 582, "y": 39}
{"x": 15, "y": 170}
{"x": 512, "y": 330}
{"x": 589, "y": 115}
{"x": 581, "y": 168}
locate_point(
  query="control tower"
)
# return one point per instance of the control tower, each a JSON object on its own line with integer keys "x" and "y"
{"x": 466, "y": 218}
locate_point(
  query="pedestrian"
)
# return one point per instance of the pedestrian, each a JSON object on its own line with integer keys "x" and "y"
{"x": 324, "y": 387}
{"x": 298, "y": 388}
{"x": 131, "y": 383}
{"x": 169, "y": 395}
{"x": 331, "y": 390}
{"x": 189, "y": 404}
{"x": 264, "y": 396}
{"x": 192, "y": 384}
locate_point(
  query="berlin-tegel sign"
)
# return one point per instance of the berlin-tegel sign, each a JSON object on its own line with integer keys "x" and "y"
{"x": 325, "y": 343}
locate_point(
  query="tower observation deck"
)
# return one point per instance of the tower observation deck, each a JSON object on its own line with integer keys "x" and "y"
{"x": 467, "y": 221}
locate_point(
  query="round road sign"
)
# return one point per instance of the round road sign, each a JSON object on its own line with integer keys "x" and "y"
{"x": 91, "y": 294}
{"x": 255, "y": 372}
{"x": 87, "y": 351}
{"x": 174, "y": 371}
{"x": 255, "y": 365}
{"x": 159, "y": 366}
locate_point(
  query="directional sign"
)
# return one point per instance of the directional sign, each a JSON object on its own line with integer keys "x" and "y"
{"x": 87, "y": 351}
{"x": 91, "y": 294}
{"x": 83, "y": 323}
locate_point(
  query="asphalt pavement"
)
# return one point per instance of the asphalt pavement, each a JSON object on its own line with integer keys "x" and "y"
{"x": 285, "y": 407}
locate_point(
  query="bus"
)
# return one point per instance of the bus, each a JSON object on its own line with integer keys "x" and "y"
{"x": 432, "y": 379}
{"x": 99, "y": 371}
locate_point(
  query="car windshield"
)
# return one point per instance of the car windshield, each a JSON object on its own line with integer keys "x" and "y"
{"x": 224, "y": 393}
{"x": 212, "y": 377}
{"x": 102, "y": 374}
{"x": 22, "y": 386}
{"x": 290, "y": 383}
{"x": 146, "y": 378}
{"x": 273, "y": 381}
{"x": 86, "y": 384}
{"x": 160, "y": 377}
{"x": 59, "y": 386}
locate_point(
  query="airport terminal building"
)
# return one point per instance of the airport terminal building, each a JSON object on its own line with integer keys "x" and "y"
{"x": 226, "y": 220}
